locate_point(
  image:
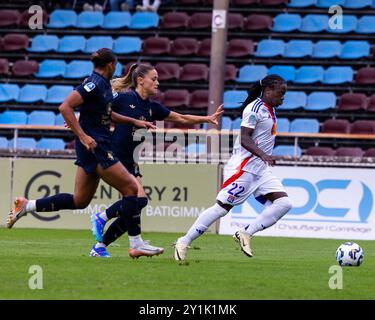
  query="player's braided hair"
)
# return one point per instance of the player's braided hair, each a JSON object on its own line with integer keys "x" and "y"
{"x": 271, "y": 81}
{"x": 102, "y": 57}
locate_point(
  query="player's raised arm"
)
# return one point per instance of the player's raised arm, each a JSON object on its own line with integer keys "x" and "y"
{"x": 192, "y": 119}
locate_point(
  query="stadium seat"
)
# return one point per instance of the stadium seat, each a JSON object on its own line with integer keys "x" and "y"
{"x": 46, "y": 118}
{"x": 176, "y": 98}
{"x": 286, "y": 22}
{"x": 366, "y": 24}
{"x": 50, "y": 144}
{"x": 320, "y": 151}
{"x": 355, "y": 49}
{"x": 194, "y": 149}
{"x": 9, "y": 92}
{"x": 24, "y": 68}
{"x": 324, "y": 49}
{"x": 144, "y": 20}
{"x": 329, "y": 3}
{"x": 371, "y": 104}
{"x": 159, "y": 97}
{"x": 369, "y": 153}
{"x": 60, "y": 19}
{"x": 51, "y": 69}
{"x": 357, "y": 4}
{"x": 338, "y": 75}
{"x": 245, "y": 2}
{"x": 116, "y": 20}
{"x": 317, "y": 101}
{"x": 77, "y": 69}
{"x": 125, "y": 45}
{"x": 285, "y": 150}
{"x": 22, "y": 143}
{"x": 199, "y": 99}
{"x": 240, "y": 48}
{"x": 31, "y": 93}
{"x": 194, "y": 72}
{"x": 305, "y": 125}
{"x": 314, "y": 23}
{"x": 13, "y": 117}
{"x": 15, "y": 42}
{"x": 309, "y": 74}
{"x": 58, "y": 93}
{"x": 288, "y": 73}
{"x": 235, "y": 21}
{"x": 283, "y": 125}
{"x": 302, "y": 3}
{"x": 352, "y": 102}
{"x": 156, "y": 46}
{"x": 25, "y": 18}
{"x": 59, "y": 120}
{"x": 294, "y": 100}
{"x": 4, "y": 67}
{"x": 365, "y": 76}
{"x": 168, "y": 71}
{"x": 298, "y": 49}
{"x": 204, "y": 48}
{"x": 97, "y": 42}
{"x": 363, "y": 127}
{"x": 257, "y": 22}
{"x": 118, "y": 70}
{"x": 349, "y": 24}
{"x": 90, "y": 20}
{"x": 3, "y": 143}
{"x": 70, "y": 44}
{"x": 226, "y": 123}
{"x": 272, "y": 2}
{"x": 44, "y": 43}
{"x": 9, "y": 18}
{"x": 184, "y": 47}
{"x": 174, "y": 20}
{"x": 233, "y": 98}
{"x": 236, "y": 124}
{"x": 335, "y": 126}
{"x": 349, "y": 152}
{"x": 252, "y": 73}
{"x": 270, "y": 48}
{"x": 200, "y": 20}
{"x": 230, "y": 72}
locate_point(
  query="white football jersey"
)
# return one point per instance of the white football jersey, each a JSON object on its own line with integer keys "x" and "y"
{"x": 260, "y": 117}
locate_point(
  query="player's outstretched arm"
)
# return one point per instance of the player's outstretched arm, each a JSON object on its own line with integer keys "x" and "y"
{"x": 191, "y": 119}
{"x": 118, "y": 118}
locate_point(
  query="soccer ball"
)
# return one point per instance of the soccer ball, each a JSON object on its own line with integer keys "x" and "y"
{"x": 349, "y": 254}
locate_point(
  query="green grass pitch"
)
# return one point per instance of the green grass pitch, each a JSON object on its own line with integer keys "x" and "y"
{"x": 282, "y": 268}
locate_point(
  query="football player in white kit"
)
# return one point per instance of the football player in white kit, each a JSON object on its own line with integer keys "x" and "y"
{"x": 248, "y": 170}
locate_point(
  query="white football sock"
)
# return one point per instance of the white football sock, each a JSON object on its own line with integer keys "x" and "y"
{"x": 205, "y": 219}
{"x": 135, "y": 241}
{"x": 103, "y": 215}
{"x": 100, "y": 245}
{"x": 31, "y": 205}
{"x": 269, "y": 216}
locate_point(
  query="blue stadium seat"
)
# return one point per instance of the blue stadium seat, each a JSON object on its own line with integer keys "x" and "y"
{"x": 366, "y": 24}
{"x": 9, "y": 92}
{"x": 42, "y": 43}
{"x": 62, "y": 19}
{"x": 116, "y": 20}
{"x": 252, "y": 73}
{"x": 349, "y": 24}
{"x": 77, "y": 69}
{"x": 50, "y": 144}
{"x": 236, "y": 124}
{"x": 317, "y": 101}
{"x": 298, "y": 49}
{"x": 124, "y": 45}
{"x": 118, "y": 70}
{"x": 195, "y": 149}
{"x": 285, "y": 150}
{"x": 45, "y": 118}
{"x": 96, "y": 42}
{"x": 270, "y": 48}
{"x": 69, "y": 44}
{"x": 226, "y": 123}
{"x": 4, "y": 143}
{"x": 309, "y": 74}
{"x": 13, "y": 117}
{"x": 337, "y": 75}
{"x": 57, "y": 94}
{"x": 301, "y": 3}
{"x": 233, "y": 98}
{"x": 357, "y": 4}
{"x": 23, "y": 143}
{"x": 144, "y": 20}
{"x": 89, "y": 20}
{"x": 305, "y": 125}
{"x": 31, "y": 93}
{"x": 286, "y": 22}
{"x": 51, "y": 69}
{"x": 293, "y": 100}
{"x": 314, "y": 23}
{"x": 355, "y": 49}
{"x": 59, "y": 120}
{"x": 325, "y": 49}
{"x": 288, "y": 73}
{"x": 283, "y": 125}
{"x": 329, "y": 3}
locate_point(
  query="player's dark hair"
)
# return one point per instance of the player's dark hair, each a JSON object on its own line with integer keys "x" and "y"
{"x": 102, "y": 57}
{"x": 271, "y": 81}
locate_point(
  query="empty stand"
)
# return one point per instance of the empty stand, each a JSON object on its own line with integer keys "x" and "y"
{"x": 252, "y": 73}
{"x": 156, "y": 46}
{"x": 194, "y": 72}
{"x": 363, "y": 127}
{"x": 70, "y": 44}
{"x": 25, "y": 68}
{"x": 257, "y": 22}
{"x": 200, "y": 20}
{"x": 320, "y": 151}
{"x": 240, "y": 48}
{"x": 15, "y": 42}
{"x": 318, "y": 101}
{"x": 116, "y": 20}
{"x": 349, "y": 152}
{"x": 46, "y": 118}
{"x": 336, "y": 126}
{"x": 125, "y": 45}
{"x": 174, "y": 20}
{"x": 184, "y": 47}
{"x": 61, "y": 19}
{"x": 144, "y": 20}
{"x": 199, "y": 99}
{"x": 365, "y": 75}
{"x": 168, "y": 70}
{"x": 176, "y": 98}
{"x": 352, "y": 102}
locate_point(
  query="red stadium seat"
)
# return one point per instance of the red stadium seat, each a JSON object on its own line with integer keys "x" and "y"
{"x": 370, "y": 153}
{"x": 352, "y": 101}
{"x": 24, "y": 68}
{"x": 273, "y": 2}
{"x": 176, "y": 98}
{"x": 230, "y": 72}
{"x": 349, "y": 152}
{"x": 184, "y": 47}
{"x": 365, "y": 76}
{"x": 255, "y": 22}
{"x": 320, "y": 151}
{"x": 159, "y": 97}
{"x": 363, "y": 127}
{"x": 199, "y": 99}
{"x": 25, "y": 17}
{"x": 194, "y": 72}
{"x": 336, "y": 126}
{"x": 156, "y": 46}
{"x": 15, "y": 42}
{"x": 200, "y": 20}
{"x": 235, "y": 21}
{"x": 4, "y": 67}
{"x": 174, "y": 20}
{"x": 371, "y": 104}
{"x": 240, "y": 48}
{"x": 168, "y": 70}
{"x": 204, "y": 48}
{"x": 9, "y": 18}
{"x": 244, "y": 2}
{"x": 1, "y": 44}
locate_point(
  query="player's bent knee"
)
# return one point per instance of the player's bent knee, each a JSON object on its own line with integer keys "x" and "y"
{"x": 284, "y": 203}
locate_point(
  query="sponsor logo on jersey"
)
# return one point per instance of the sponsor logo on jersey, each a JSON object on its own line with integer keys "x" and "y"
{"x": 115, "y": 94}
{"x": 89, "y": 86}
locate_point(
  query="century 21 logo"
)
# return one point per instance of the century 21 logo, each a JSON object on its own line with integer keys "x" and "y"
{"x": 47, "y": 190}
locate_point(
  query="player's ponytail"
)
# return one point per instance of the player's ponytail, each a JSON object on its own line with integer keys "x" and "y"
{"x": 126, "y": 82}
